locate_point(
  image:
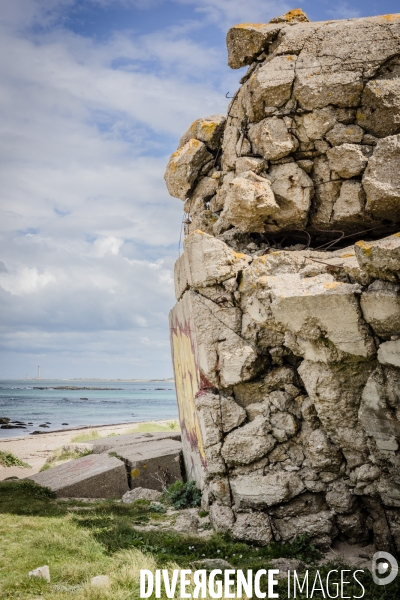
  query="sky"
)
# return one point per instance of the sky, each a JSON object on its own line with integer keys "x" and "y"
{"x": 94, "y": 96}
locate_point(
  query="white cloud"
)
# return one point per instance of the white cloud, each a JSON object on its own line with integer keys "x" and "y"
{"x": 343, "y": 10}
{"x": 88, "y": 233}
{"x": 25, "y": 281}
{"x": 226, "y": 13}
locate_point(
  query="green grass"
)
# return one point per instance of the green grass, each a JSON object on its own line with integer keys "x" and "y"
{"x": 154, "y": 427}
{"x": 7, "y": 459}
{"x": 87, "y": 437}
{"x": 63, "y": 455}
{"x": 102, "y": 538}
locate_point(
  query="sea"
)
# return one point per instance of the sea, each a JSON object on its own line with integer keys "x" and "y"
{"x": 51, "y": 403}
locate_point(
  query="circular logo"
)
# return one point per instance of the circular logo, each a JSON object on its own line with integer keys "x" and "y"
{"x": 380, "y": 568}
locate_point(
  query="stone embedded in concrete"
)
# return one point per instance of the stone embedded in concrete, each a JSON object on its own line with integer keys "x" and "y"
{"x": 184, "y": 168}
{"x": 381, "y": 179}
{"x": 389, "y": 353}
{"x": 271, "y": 85}
{"x": 271, "y": 138}
{"x": 221, "y": 517}
{"x": 380, "y": 258}
{"x": 249, "y": 202}
{"x": 255, "y": 491}
{"x": 253, "y": 528}
{"x": 314, "y": 90}
{"x": 345, "y": 134}
{"x": 315, "y": 125}
{"x": 380, "y": 107}
{"x": 210, "y": 261}
{"x": 348, "y": 160}
{"x": 293, "y": 190}
{"x": 380, "y": 305}
{"x": 349, "y": 207}
{"x": 217, "y": 415}
{"x": 93, "y": 476}
{"x": 319, "y": 528}
{"x": 323, "y": 455}
{"x": 248, "y": 443}
{"x": 207, "y": 130}
{"x": 378, "y": 414}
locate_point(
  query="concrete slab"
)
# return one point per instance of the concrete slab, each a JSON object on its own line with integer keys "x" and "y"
{"x": 110, "y": 443}
{"x": 154, "y": 464}
{"x": 93, "y": 476}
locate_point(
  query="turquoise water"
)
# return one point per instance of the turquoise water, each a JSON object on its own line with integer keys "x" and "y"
{"x": 22, "y": 400}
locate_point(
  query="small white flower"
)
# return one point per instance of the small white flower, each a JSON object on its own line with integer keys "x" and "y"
{"x": 203, "y": 554}
{"x": 218, "y": 551}
{"x": 240, "y": 556}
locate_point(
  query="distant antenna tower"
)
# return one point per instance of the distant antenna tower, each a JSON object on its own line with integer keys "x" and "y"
{"x": 38, "y": 373}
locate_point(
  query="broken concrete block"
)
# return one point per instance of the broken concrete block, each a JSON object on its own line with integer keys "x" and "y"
{"x": 380, "y": 305}
{"x": 94, "y": 476}
{"x": 255, "y": 491}
{"x": 245, "y": 42}
{"x": 207, "y": 130}
{"x": 41, "y": 573}
{"x": 381, "y": 179}
{"x": 253, "y": 528}
{"x": 184, "y": 168}
{"x": 271, "y": 139}
{"x": 380, "y": 258}
{"x": 389, "y": 353}
{"x": 141, "y": 494}
{"x": 323, "y": 316}
{"x": 347, "y": 160}
{"x": 112, "y": 443}
{"x": 153, "y": 465}
{"x": 249, "y": 202}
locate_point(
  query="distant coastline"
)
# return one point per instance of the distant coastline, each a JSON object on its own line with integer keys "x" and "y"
{"x": 169, "y": 379}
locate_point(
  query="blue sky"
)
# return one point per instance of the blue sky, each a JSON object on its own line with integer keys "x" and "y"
{"x": 94, "y": 95}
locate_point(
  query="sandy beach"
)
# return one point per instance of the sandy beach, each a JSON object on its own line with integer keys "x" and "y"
{"x": 36, "y": 449}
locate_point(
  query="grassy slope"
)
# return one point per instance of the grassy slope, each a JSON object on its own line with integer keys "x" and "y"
{"x": 81, "y": 540}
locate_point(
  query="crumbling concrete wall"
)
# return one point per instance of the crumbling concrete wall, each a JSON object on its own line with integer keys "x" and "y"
{"x": 286, "y": 331}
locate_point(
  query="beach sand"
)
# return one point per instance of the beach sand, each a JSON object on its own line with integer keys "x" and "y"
{"x": 36, "y": 449}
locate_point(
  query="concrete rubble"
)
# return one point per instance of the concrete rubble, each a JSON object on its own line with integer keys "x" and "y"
{"x": 286, "y": 332}
{"x": 132, "y": 466}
